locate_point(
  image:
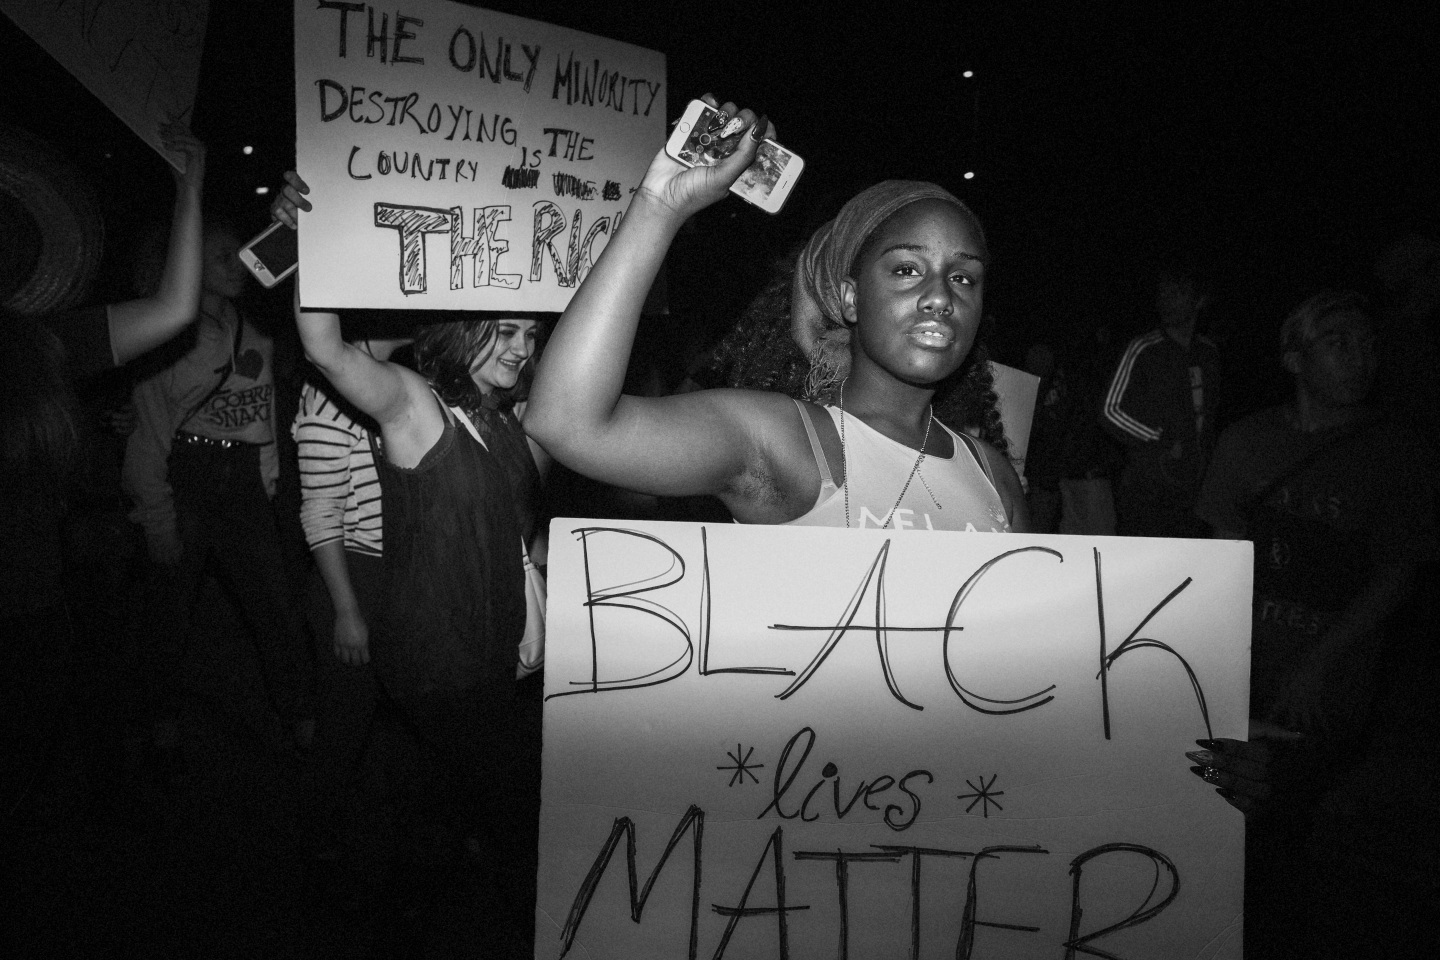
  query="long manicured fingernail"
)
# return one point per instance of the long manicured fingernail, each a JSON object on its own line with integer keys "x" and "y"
{"x": 1202, "y": 757}
{"x": 720, "y": 119}
{"x": 733, "y": 127}
{"x": 1208, "y": 774}
{"x": 757, "y": 132}
{"x": 1215, "y": 745}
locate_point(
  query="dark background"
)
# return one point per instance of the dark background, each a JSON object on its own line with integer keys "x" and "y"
{"x": 1279, "y": 145}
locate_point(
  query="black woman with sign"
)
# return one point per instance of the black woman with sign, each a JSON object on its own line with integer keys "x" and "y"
{"x": 902, "y": 267}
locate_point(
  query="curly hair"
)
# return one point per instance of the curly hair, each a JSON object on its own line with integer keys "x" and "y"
{"x": 759, "y": 353}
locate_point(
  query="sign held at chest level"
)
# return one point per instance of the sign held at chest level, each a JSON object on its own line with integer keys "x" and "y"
{"x": 887, "y": 745}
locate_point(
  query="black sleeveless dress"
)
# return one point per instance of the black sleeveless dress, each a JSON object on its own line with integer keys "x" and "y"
{"x": 455, "y": 584}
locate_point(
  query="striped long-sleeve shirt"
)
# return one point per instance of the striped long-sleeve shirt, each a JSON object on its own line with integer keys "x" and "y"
{"x": 339, "y": 487}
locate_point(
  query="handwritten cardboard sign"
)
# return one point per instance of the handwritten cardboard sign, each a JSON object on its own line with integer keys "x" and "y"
{"x": 771, "y": 742}
{"x": 141, "y": 58}
{"x": 461, "y": 159}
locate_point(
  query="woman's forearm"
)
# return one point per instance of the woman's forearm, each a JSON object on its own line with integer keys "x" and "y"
{"x": 138, "y": 326}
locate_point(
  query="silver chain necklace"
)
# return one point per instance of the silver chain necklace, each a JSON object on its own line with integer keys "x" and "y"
{"x": 845, "y": 465}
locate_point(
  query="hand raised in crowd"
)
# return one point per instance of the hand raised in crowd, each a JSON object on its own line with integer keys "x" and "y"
{"x": 177, "y": 138}
{"x": 290, "y": 200}
{"x": 687, "y": 190}
{"x": 142, "y": 324}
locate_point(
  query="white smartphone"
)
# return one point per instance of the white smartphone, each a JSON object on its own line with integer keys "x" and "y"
{"x": 704, "y": 136}
{"x": 272, "y": 255}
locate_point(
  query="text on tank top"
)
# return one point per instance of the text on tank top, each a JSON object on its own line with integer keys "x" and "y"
{"x": 953, "y": 493}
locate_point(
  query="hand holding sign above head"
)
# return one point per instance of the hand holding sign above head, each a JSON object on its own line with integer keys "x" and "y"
{"x": 140, "y": 325}
{"x": 178, "y": 139}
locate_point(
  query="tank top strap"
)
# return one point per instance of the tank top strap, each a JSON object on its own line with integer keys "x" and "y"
{"x": 827, "y": 482}
{"x": 455, "y": 413}
{"x": 974, "y": 448}
{"x": 451, "y": 415}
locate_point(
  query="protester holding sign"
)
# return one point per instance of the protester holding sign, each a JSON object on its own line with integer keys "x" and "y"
{"x": 460, "y": 487}
{"x": 902, "y": 265}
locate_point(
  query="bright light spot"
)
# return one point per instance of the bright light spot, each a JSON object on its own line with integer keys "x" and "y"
{"x": 969, "y": 174}
{"x": 968, "y": 74}
{"x": 264, "y": 190}
{"x": 247, "y": 150}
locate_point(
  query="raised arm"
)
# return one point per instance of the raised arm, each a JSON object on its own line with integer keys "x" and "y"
{"x": 137, "y": 326}
{"x": 397, "y": 399}
{"x": 696, "y": 443}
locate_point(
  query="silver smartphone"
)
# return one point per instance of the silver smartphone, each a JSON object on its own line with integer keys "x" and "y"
{"x": 703, "y": 136}
{"x": 273, "y": 254}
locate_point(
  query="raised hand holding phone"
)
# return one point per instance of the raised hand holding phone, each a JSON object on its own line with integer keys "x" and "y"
{"x": 706, "y": 135}
{"x": 272, "y": 255}
{"x": 686, "y": 188}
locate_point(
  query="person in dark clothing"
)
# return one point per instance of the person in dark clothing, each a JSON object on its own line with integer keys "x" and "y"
{"x": 43, "y": 433}
{"x": 459, "y": 485}
{"x": 1339, "y": 502}
{"x": 1161, "y": 405}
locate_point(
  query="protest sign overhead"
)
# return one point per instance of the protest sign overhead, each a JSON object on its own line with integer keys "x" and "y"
{"x": 461, "y": 159}
{"x": 772, "y": 742}
{"x": 140, "y": 58}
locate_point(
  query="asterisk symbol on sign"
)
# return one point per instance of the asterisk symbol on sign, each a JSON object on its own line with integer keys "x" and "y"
{"x": 983, "y": 795}
{"x": 742, "y": 766}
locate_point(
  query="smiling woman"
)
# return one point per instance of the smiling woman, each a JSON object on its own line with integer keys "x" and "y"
{"x": 900, "y": 269}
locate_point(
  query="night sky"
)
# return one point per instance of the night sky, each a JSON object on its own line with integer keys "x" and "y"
{"x": 1281, "y": 145}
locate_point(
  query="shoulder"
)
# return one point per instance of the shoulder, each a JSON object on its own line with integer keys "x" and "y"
{"x": 1000, "y": 466}
{"x": 1146, "y": 341}
{"x": 1007, "y": 481}
{"x": 1137, "y": 348}
{"x": 1008, "y": 485}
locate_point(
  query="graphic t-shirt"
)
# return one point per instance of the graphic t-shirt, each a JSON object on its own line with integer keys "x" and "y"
{"x": 1363, "y": 498}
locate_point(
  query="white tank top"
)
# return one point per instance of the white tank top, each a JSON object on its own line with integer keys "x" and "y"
{"x": 954, "y": 493}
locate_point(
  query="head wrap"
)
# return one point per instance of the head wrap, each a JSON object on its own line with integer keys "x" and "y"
{"x": 816, "y": 315}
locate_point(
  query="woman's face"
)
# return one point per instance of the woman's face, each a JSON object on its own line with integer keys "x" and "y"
{"x": 499, "y": 367}
{"x": 224, "y": 273}
{"x": 915, "y": 299}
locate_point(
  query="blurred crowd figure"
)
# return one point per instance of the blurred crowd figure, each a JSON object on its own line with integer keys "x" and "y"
{"x": 380, "y": 702}
{"x": 1071, "y": 463}
{"x": 1161, "y": 406}
{"x": 1337, "y": 495}
{"x": 202, "y": 467}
